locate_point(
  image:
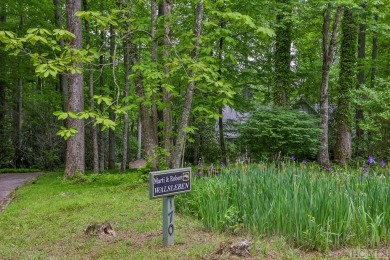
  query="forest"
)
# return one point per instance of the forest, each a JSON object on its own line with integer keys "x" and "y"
{"x": 94, "y": 85}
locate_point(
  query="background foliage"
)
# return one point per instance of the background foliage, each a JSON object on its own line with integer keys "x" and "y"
{"x": 274, "y": 132}
{"x": 248, "y": 51}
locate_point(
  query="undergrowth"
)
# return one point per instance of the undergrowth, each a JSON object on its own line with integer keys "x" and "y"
{"x": 22, "y": 170}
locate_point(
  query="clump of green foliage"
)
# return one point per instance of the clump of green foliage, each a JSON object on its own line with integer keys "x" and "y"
{"x": 279, "y": 131}
{"x": 311, "y": 208}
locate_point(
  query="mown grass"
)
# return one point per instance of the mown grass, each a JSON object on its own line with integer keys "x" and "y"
{"x": 47, "y": 219}
{"x": 311, "y": 209}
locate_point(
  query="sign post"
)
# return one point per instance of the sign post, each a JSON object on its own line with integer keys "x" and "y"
{"x": 166, "y": 184}
{"x": 168, "y": 221}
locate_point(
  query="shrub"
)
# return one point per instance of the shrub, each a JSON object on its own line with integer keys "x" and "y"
{"x": 272, "y": 131}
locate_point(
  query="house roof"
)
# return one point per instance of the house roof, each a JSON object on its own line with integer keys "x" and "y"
{"x": 230, "y": 117}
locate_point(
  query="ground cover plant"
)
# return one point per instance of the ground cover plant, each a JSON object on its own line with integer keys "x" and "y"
{"x": 312, "y": 209}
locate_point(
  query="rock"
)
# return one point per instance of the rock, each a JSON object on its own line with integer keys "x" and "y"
{"x": 137, "y": 164}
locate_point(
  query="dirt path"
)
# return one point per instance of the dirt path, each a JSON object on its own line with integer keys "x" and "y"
{"x": 10, "y": 182}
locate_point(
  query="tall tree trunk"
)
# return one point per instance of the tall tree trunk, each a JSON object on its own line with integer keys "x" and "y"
{"x": 220, "y": 109}
{"x": 62, "y": 77}
{"x": 374, "y": 54}
{"x": 147, "y": 125}
{"x": 111, "y": 133}
{"x": 3, "y": 85}
{"x": 3, "y": 16}
{"x": 94, "y": 128}
{"x": 283, "y": 54}
{"x": 101, "y": 133}
{"x": 95, "y": 146}
{"x": 343, "y": 149}
{"x": 139, "y": 138}
{"x": 359, "y": 116}
{"x": 127, "y": 65}
{"x": 221, "y": 135}
{"x": 328, "y": 51}
{"x": 153, "y": 31}
{"x": 18, "y": 124}
{"x": 167, "y": 95}
{"x": 154, "y": 56}
{"x": 149, "y": 132}
{"x": 75, "y": 150}
{"x": 125, "y": 141}
{"x": 3, "y": 136}
{"x": 181, "y": 137}
{"x": 148, "y": 137}
{"x": 3, "y": 89}
{"x": 2, "y": 107}
{"x": 17, "y": 115}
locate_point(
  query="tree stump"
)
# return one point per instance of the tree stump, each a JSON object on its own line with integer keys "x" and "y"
{"x": 241, "y": 249}
{"x": 100, "y": 229}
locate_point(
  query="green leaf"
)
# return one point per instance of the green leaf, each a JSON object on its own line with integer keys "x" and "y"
{"x": 10, "y": 34}
{"x": 32, "y": 30}
{"x": 46, "y": 73}
{"x": 73, "y": 115}
{"x": 105, "y": 99}
{"x": 63, "y": 116}
{"x": 190, "y": 129}
{"x": 266, "y": 31}
{"x": 41, "y": 68}
{"x": 67, "y": 133}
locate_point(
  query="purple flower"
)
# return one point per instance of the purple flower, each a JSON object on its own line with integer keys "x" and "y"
{"x": 212, "y": 167}
{"x": 329, "y": 169}
{"x": 364, "y": 168}
{"x": 371, "y": 159}
{"x": 383, "y": 163}
{"x": 304, "y": 161}
{"x": 222, "y": 164}
{"x": 200, "y": 163}
{"x": 293, "y": 158}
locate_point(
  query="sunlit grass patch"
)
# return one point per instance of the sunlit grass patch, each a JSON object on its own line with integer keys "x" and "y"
{"x": 47, "y": 219}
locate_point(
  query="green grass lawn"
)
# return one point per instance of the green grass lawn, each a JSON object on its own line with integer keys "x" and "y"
{"x": 47, "y": 219}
